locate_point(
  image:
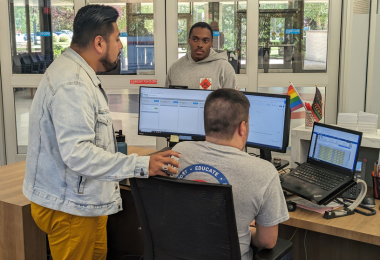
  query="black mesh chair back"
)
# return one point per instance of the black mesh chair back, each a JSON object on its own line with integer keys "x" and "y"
{"x": 183, "y": 219}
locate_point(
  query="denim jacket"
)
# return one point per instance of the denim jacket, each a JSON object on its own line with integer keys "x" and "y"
{"x": 72, "y": 164}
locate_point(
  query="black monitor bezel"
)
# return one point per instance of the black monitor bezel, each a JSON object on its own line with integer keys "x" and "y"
{"x": 166, "y": 134}
{"x": 330, "y": 166}
{"x": 287, "y": 118}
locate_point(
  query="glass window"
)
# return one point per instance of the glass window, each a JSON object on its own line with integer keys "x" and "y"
{"x": 228, "y": 19}
{"x": 136, "y": 25}
{"x": 23, "y": 102}
{"x": 124, "y": 107}
{"x": 40, "y": 31}
{"x": 293, "y": 36}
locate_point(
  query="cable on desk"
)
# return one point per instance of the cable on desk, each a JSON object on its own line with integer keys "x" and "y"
{"x": 293, "y": 234}
{"x": 284, "y": 171}
{"x": 345, "y": 201}
{"x": 350, "y": 209}
{"x": 304, "y": 244}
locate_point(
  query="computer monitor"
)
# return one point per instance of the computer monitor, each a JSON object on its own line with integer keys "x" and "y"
{"x": 172, "y": 111}
{"x": 177, "y": 86}
{"x": 269, "y": 123}
{"x": 165, "y": 112}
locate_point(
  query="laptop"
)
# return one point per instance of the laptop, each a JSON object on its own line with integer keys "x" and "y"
{"x": 330, "y": 167}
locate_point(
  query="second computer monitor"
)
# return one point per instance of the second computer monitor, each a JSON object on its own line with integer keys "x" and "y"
{"x": 269, "y": 122}
{"x": 166, "y": 111}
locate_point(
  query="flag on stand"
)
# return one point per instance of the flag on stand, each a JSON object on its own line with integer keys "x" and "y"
{"x": 295, "y": 99}
{"x": 316, "y": 107}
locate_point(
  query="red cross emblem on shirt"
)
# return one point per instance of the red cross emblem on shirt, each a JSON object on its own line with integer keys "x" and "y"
{"x": 205, "y": 84}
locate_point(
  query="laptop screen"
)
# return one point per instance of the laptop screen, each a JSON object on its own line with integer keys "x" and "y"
{"x": 335, "y": 147}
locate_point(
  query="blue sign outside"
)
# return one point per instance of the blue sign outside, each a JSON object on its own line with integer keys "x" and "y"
{"x": 215, "y": 33}
{"x": 43, "y": 34}
{"x": 292, "y": 31}
{"x": 123, "y": 34}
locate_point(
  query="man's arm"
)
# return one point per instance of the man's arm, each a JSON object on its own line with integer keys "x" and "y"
{"x": 264, "y": 237}
{"x": 273, "y": 211}
{"x": 74, "y": 130}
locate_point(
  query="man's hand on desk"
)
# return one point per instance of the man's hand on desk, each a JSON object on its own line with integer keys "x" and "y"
{"x": 158, "y": 162}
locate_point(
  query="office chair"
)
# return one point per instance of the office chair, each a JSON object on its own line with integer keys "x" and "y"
{"x": 26, "y": 61}
{"x": 183, "y": 219}
{"x": 18, "y": 68}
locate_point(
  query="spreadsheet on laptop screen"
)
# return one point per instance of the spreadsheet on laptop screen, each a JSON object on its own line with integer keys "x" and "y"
{"x": 335, "y": 147}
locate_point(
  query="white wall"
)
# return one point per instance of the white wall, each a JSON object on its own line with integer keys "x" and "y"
{"x": 373, "y": 87}
{"x": 354, "y": 58}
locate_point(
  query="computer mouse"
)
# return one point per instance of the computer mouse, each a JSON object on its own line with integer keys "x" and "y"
{"x": 369, "y": 202}
{"x": 292, "y": 206}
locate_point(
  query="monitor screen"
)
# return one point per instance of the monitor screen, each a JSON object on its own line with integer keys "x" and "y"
{"x": 269, "y": 121}
{"x": 335, "y": 147}
{"x": 165, "y": 111}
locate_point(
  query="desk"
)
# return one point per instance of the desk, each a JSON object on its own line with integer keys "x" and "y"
{"x": 20, "y": 238}
{"x": 351, "y": 237}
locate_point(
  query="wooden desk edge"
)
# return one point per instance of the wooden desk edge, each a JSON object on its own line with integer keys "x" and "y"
{"x": 333, "y": 231}
{"x": 294, "y": 222}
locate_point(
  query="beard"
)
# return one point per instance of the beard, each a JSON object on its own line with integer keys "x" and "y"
{"x": 108, "y": 64}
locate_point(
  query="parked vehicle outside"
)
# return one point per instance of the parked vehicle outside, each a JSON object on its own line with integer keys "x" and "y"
{"x": 68, "y": 32}
{"x": 38, "y": 38}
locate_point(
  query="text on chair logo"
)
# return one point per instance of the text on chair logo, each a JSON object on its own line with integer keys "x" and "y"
{"x": 203, "y": 168}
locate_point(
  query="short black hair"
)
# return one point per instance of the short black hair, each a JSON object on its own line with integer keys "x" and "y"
{"x": 224, "y": 110}
{"x": 91, "y": 21}
{"x": 201, "y": 25}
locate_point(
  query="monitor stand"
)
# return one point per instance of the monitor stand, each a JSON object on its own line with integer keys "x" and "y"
{"x": 192, "y": 138}
{"x": 267, "y": 155}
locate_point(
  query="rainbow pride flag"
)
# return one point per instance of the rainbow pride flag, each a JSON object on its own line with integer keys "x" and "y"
{"x": 295, "y": 100}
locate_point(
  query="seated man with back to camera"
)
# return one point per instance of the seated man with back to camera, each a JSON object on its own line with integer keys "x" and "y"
{"x": 255, "y": 182}
{"x": 202, "y": 67}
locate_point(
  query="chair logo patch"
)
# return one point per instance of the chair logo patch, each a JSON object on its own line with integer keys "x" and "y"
{"x": 215, "y": 173}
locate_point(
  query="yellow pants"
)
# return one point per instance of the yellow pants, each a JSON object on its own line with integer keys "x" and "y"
{"x": 72, "y": 237}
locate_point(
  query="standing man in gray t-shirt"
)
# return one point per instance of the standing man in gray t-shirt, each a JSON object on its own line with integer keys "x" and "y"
{"x": 255, "y": 182}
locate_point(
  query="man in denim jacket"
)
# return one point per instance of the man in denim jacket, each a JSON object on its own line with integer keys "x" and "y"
{"x": 73, "y": 168}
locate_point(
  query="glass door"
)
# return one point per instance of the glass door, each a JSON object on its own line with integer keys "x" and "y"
{"x": 39, "y": 31}
{"x": 228, "y": 20}
{"x": 299, "y": 41}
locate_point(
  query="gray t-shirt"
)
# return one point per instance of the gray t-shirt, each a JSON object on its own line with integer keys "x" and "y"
{"x": 255, "y": 184}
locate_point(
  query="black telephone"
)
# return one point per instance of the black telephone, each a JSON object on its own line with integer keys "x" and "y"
{"x": 353, "y": 192}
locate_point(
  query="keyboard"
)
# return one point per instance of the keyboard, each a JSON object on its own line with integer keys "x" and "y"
{"x": 351, "y": 193}
{"x": 323, "y": 179}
